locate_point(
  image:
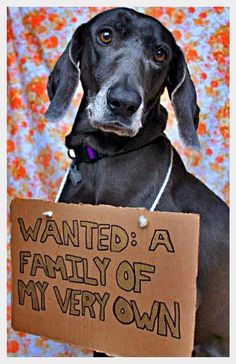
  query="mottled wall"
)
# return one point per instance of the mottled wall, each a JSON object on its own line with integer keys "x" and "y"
{"x": 36, "y": 153}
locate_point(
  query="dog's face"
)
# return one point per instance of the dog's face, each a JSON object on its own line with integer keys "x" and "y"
{"x": 129, "y": 57}
{"x": 126, "y": 59}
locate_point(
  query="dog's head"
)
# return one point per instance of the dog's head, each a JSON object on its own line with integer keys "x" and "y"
{"x": 124, "y": 60}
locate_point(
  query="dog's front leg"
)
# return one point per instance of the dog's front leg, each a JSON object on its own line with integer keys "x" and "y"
{"x": 212, "y": 348}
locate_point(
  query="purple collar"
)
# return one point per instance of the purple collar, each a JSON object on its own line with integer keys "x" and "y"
{"x": 84, "y": 154}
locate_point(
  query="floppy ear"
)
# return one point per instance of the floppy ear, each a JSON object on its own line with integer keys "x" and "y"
{"x": 64, "y": 78}
{"x": 184, "y": 100}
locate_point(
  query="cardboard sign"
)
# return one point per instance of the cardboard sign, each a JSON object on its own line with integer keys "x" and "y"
{"x": 90, "y": 276}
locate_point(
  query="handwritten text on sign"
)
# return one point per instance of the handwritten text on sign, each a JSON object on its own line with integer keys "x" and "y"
{"x": 89, "y": 275}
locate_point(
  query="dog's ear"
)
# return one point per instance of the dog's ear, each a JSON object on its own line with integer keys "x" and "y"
{"x": 183, "y": 99}
{"x": 64, "y": 78}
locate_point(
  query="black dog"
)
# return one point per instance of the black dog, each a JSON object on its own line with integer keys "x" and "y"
{"x": 126, "y": 60}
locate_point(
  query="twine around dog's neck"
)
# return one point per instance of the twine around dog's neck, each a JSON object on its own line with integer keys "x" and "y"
{"x": 166, "y": 180}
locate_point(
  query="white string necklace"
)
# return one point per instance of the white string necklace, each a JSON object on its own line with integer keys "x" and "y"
{"x": 166, "y": 180}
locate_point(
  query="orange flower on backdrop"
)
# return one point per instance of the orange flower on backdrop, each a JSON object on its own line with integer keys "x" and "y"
{"x": 18, "y": 169}
{"x": 51, "y": 42}
{"x": 12, "y": 346}
{"x": 14, "y": 99}
{"x": 10, "y": 146}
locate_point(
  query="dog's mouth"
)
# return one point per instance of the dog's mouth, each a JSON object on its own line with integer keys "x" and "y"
{"x": 116, "y": 128}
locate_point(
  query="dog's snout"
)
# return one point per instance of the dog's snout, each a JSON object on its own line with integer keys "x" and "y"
{"x": 123, "y": 102}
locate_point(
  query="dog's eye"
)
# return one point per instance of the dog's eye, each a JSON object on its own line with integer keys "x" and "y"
{"x": 105, "y": 36}
{"x": 160, "y": 55}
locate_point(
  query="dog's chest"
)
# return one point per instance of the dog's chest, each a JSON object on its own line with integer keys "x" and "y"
{"x": 132, "y": 179}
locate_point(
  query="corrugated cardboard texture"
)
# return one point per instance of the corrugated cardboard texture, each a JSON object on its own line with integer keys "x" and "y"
{"x": 90, "y": 276}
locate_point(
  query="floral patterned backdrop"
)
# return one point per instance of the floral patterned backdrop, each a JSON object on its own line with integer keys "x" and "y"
{"x": 37, "y": 157}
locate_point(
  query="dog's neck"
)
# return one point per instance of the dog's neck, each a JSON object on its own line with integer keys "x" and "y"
{"x": 109, "y": 143}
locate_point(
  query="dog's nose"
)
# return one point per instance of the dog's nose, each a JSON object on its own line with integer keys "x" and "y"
{"x": 123, "y": 102}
